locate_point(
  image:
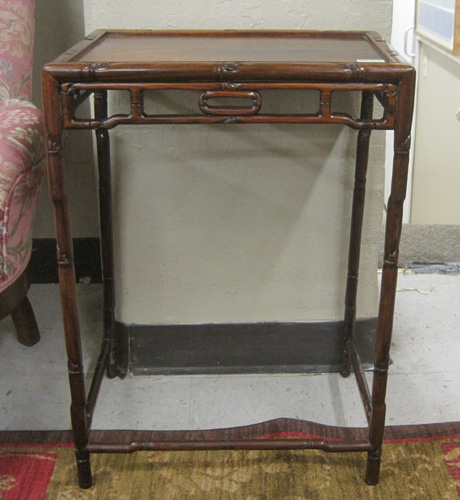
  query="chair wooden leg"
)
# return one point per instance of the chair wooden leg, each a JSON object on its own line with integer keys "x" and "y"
{"x": 25, "y": 323}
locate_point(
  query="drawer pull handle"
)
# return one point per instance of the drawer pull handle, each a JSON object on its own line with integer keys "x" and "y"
{"x": 207, "y": 109}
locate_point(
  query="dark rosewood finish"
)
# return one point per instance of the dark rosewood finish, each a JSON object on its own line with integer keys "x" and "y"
{"x": 357, "y": 216}
{"x": 228, "y": 67}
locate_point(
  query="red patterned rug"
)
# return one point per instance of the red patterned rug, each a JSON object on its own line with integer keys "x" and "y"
{"x": 26, "y": 470}
{"x": 420, "y": 462}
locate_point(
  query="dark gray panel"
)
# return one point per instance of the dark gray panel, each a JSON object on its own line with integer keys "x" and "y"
{"x": 241, "y": 348}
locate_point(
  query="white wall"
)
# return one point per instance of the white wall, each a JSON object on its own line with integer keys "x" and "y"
{"x": 436, "y": 180}
{"x": 239, "y": 223}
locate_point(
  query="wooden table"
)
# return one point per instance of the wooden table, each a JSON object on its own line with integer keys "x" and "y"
{"x": 228, "y": 68}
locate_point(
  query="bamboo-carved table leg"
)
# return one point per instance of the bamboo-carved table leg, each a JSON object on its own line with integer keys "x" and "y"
{"x": 105, "y": 217}
{"x": 390, "y": 272}
{"x": 55, "y": 167}
{"x": 357, "y": 216}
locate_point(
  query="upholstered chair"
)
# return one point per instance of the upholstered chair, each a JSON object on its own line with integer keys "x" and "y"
{"x": 21, "y": 163}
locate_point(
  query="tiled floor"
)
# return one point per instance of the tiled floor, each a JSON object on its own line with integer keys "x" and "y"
{"x": 424, "y": 384}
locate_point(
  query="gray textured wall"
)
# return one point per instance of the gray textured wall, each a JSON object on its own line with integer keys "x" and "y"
{"x": 58, "y": 25}
{"x": 239, "y": 223}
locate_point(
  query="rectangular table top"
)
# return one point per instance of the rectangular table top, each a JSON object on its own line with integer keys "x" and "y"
{"x": 243, "y": 46}
{"x": 186, "y": 57}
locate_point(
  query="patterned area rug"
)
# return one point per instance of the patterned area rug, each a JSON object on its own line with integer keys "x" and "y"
{"x": 420, "y": 462}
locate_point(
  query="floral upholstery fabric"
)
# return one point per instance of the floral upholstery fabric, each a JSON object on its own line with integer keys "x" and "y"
{"x": 16, "y": 48}
{"x": 21, "y": 139}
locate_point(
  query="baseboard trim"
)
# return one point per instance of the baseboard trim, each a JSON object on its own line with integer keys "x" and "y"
{"x": 43, "y": 263}
{"x": 239, "y": 348}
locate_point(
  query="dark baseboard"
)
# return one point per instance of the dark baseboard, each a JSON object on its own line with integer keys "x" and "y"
{"x": 238, "y": 348}
{"x": 43, "y": 263}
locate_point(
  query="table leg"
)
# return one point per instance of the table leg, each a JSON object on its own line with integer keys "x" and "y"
{"x": 390, "y": 271}
{"x": 106, "y": 224}
{"x": 55, "y": 168}
{"x": 357, "y": 215}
